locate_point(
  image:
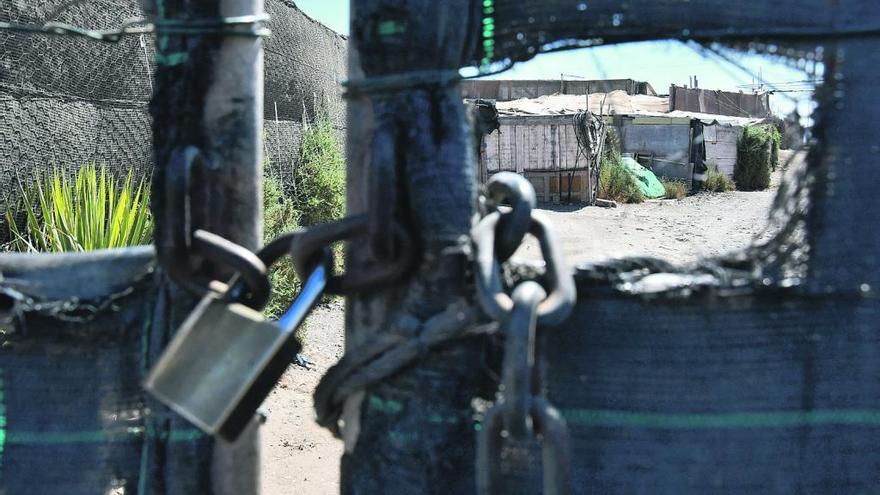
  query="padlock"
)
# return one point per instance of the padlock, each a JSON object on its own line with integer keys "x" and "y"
{"x": 226, "y": 358}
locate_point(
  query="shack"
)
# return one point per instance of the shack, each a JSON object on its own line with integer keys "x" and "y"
{"x": 537, "y": 138}
{"x": 683, "y": 145}
{"x": 557, "y": 153}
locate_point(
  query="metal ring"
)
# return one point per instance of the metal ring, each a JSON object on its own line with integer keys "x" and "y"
{"x": 245, "y": 263}
{"x": 515, "y": 224}
{"x": 557, "y": 457}
{"x": 556, "y": 307}
{"x": 180, "y": 215}
{"x": 308, "y": 243}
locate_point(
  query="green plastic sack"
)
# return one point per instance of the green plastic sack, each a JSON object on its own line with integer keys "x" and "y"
{"x": 646, "y": 181}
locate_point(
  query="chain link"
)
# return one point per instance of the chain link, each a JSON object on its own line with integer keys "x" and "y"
{"x": 498, "y": 304}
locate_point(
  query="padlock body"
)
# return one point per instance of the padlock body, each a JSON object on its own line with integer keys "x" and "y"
{"x": 221, "y": 365}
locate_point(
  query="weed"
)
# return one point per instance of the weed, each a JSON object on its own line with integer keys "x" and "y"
{"x": 675, "y": 188}
{"x": 717, "y": 181}
{"x": 615, "y": 182}
{"x": 319, "y": 177}
{"x": 279, "y": 217}
{"x": 316, "y": 195}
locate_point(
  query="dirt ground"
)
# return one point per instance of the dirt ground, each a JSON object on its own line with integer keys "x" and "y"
{"x": 300, "y": 457}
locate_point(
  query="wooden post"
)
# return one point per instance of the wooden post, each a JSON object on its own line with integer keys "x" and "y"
{"x": 209, "y": 94}
{"x": 436, "y": 198}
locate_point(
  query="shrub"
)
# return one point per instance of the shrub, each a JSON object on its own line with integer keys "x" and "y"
{"x": 91, "y": 212}
{"x": 774, "y": 147}
{"x": 718, "y": 181}
{"x": 319, "y": 177}
{"x": 752, "y": 171}
{"x": 617, "y": 184}
{"x": 316, "y": 195}
{"x": 675, "y": 189}
{"x": 279, "y": 217}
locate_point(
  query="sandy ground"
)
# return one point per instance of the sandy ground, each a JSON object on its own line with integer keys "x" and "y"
{"x": 298, "y": 457}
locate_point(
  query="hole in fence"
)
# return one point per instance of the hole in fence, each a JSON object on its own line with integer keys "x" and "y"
{"x": 693, "y": 144}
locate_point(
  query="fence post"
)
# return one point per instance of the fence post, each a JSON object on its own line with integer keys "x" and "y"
{"x": 433, "y": 160}
{"x": 209, "y": 94}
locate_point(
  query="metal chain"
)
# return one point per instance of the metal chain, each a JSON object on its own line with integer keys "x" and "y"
{"x": 521, "y": 413}
{"x": 184, "y": 247}
{"x": 498, "y": 304}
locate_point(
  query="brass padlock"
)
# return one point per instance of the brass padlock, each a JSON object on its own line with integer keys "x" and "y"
{"x": 226, "y": 358}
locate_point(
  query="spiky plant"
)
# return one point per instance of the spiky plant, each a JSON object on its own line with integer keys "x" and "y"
{"x": 92, "y": 211}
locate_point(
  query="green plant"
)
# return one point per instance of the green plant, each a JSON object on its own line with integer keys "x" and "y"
{"x": 717, "y": 181}
{"x": 279, "y": 216}
{"x": 675, "y": 188}
{"x": 615, "y": 182}
{"x": 315, "y": 195}
{"x": 752, "y": 170}
{"x": 319, "y": 176}
{"x": 91, "y": 212}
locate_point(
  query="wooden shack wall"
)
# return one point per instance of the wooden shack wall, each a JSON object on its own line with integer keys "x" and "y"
{"x": 721, "y": 147}
{"x": 545, "y": 150}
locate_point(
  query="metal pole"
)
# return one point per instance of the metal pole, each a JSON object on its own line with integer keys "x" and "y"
{"x": 209, "y": 95}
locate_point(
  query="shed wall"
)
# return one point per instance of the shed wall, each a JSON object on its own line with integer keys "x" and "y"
{"x": 721, "y": 147}
{"x": 668, "y": 143}
{"x": 543, "y": 149}
{"x": 533, "y": 144}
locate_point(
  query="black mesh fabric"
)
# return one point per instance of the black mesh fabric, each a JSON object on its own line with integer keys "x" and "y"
{"x": 78, "y": 333}
{"x": 515, "y": 30}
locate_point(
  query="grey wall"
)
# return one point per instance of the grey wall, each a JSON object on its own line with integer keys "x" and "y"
{"x": 669, "y": 143}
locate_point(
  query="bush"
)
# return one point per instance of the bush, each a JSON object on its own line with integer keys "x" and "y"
{"x": 319, "y": 177}
{"x": 316, "y": 195}
{"x": 718, "y": 181}
{"x": 675, "y": 189}
{"x": 92, "y": 212}
{"x": 752, "y": 171}
{"x": 279, "y": 217}
{"x": 615, "y": 182}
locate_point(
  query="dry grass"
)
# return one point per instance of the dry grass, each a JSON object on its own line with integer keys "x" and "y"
{"x": 675, "y": 189}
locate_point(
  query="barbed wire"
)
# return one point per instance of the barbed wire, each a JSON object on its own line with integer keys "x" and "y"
{"x": 128, "y": 28}
{"x": 249, "y": 25}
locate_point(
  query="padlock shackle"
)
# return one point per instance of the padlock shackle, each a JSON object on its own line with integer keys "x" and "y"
{"x": 302, "y": 305}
